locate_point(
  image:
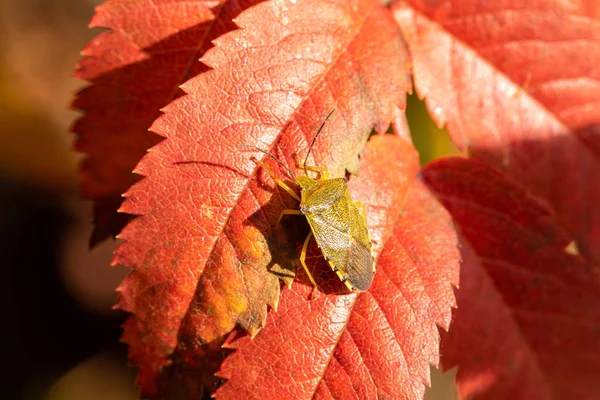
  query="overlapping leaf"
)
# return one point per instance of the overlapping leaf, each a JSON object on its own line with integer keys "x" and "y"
{"x": 376, "y": 344}
{"x": 528, "y": 319}
{"x": 204, "y": 241}
{"x": 518, "y": 85}
{"x": 135, "y": 69}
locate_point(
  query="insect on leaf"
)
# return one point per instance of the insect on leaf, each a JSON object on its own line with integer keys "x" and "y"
{"x": 204, "y": 243}
{"x": 368, "y": 344}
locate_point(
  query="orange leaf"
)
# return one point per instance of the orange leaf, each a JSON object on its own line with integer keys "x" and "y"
{"x": 135, "y": 69}
{"x": 528, "y": 319}
{"x": 203, "y": 243}
{"x": 517, "y": 85}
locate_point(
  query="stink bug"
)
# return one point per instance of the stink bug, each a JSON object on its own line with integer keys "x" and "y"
{"x": 338, "y": 224}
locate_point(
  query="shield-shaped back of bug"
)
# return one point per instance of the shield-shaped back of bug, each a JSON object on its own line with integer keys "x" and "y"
{"x": 338, "y": 223}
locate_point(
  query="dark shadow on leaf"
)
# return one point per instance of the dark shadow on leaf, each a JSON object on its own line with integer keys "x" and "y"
{"x": 562, "y": 172}
{"x": 192, "y": 375}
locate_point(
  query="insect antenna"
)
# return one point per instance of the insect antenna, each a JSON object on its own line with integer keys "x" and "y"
{"x": 315, "y": 139}
{"x": 290, "y": 173}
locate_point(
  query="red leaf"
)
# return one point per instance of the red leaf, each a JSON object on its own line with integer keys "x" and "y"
{"x": 528, "y": 319}
{"x": 374, "y": 344}
{"x": 587, "y": 7}
{"x": 135, "y": 70}
{"x": 203, "y": 244}
{"x": 517, "y": 85}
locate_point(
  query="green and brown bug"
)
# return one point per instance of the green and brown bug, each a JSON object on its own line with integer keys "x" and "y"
{"x": 338, "y": 224}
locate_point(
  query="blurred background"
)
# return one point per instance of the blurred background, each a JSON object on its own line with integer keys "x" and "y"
{"x": 59, "y": 337}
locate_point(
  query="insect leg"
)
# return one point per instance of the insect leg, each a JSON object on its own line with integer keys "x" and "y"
{"x": 278, "y": 181}
{"x": 323, "y": 172}
{"x": 303, "y": 262}
{"x": 288, "y": 212}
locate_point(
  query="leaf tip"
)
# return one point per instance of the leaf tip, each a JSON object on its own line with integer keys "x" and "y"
{"x": 400, "y": 125}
